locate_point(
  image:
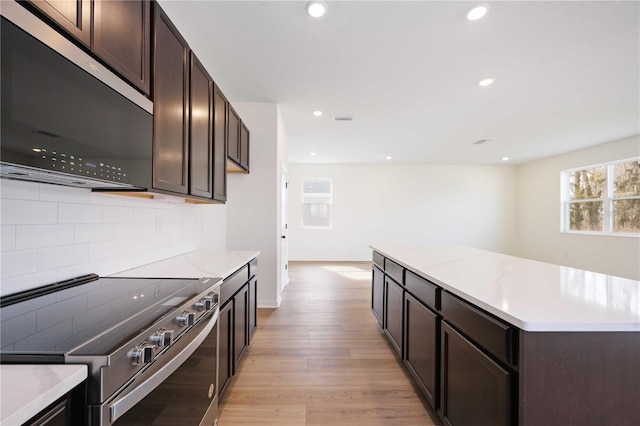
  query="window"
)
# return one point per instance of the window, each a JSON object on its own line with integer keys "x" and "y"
{"x": 602, "y": 199}
{"x": 316, "y": 203}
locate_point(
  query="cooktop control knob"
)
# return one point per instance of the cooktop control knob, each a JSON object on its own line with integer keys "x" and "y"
{"x": 186, "y": 318}
{"x": 144, "y": 353}
{"x": 162, "y": 337}
{"x": 203, "y": 304}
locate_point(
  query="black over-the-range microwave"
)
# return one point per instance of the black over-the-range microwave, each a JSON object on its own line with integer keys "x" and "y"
{"x": 66, "y": 119}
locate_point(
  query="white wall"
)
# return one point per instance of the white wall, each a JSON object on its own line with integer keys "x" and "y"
{"x": 51, "y": 233}
{"x": 253, "y": 206}
{"x": 539, "y": 235}
{"x": 405, "y": 204}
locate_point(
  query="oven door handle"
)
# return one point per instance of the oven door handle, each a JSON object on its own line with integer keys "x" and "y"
{"x": 124, "y": 403}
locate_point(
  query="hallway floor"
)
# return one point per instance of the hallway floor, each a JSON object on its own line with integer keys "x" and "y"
{"x": 320, "y": 359}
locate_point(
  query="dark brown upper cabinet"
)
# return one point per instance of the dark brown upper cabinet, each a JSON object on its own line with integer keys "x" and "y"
{"x": 122, "y": 38}
{"x": 201, "y": 131}
{"x": 233, "y": 142}
{"x": 118, "y": 32}
{"x": 237, "y": 144}
{"x": 74, "y": 16}
{"x": 244, "y": 147}
{"x": 171, "y": 106}
{"x": 220, "y": 112}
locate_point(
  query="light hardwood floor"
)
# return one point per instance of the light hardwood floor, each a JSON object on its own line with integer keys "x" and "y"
{"x": 320, "y": 359}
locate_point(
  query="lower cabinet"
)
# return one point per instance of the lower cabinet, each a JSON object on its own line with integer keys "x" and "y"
{"x": 240, "y": 316}
{"x": 394, "y": 314}
{"x": 69, "y": 410}
{"x": 253, "y": 307}
{"x": 421, "y": 346}
{"x": 377, "y": 295}
{"x": 237, "y": 321}
{"x": 474, "y": 389}
{"x": 225, "y": 343}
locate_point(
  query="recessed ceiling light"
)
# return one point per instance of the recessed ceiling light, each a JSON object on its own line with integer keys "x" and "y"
{"x": 312, "y": 154}
{"x": 389, "y": 157}
{"x": 37, "y": 150}
{"x": 477, "y": 13}
{"x": 505, "y": 158}
{"x": 317, "y": 113}
{"x": 316, "y": 9}
{"x": 486, "y": 82}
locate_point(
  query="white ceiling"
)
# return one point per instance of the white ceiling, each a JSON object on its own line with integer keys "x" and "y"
{"x": 566, "y": 75}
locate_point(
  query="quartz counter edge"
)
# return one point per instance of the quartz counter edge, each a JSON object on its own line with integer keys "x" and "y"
{"x": 29, "y": 389}
{"x": 196, "y": 264}
{"x": 533, "y": 296}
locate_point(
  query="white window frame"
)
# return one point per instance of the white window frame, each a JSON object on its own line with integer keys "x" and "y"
{"x": 607, "y": 201}
{"x": 302, "y": 202}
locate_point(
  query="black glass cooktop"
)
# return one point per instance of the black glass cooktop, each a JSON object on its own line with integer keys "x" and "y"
{"x": 101, "y": 314}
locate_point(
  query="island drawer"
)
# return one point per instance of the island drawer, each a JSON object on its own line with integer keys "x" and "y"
{"x": 233, "y": 283}
{"x": 493, "y": 335}
{"x": 423, "y": 290}
{"x": 378, "y": 259}
{"x": 394, "y": 270}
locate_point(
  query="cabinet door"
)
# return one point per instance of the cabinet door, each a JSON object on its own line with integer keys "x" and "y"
{"x": 233, "y": 143}
{"x": 244, "y": 147}
{"x": 220, "y": 108}
{"x": 393, "y": 314}
{"x": 225, "y": 327}
{"x": 240, "y": 307}
{"x": 253, "y": 307}
{"x": 74, "y": 16}
{"x": 474, "y": 389}
{"x": 421, "y": 346}
{"x": 201, "y": 130}
{"x": 55, "y": 415}
{"x": 171, "y": 103}
{"x": 122, "y": 38}
{"x": 377, "y": 295}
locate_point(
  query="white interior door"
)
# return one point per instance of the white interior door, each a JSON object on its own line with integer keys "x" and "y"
{"x": 284, "y": 241}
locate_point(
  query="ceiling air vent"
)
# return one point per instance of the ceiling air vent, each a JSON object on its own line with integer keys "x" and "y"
{"x": 342, "y": 118}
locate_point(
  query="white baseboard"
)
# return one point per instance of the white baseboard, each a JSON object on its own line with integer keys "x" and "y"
{"x": 268, "y": 304}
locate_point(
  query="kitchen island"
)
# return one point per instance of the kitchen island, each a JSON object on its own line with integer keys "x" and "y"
{"x": 500, "y": 340}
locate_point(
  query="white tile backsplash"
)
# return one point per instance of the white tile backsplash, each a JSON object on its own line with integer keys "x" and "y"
{"x": 92, "y": 232}
{"x": 64, "y": 194}
{"x": 79, "y": 213}
{"x": 27, "y": 212}
{"x": 8, "y": 237}
{"x": 117, "y": 214}
{"x": 105, "y": 249}
{"x": 57, "y": 257}
{"x": 18, "y": 262}
{"x": 52, "y": 233}
{"x": 37, "y": 236}
{"x": 19, "y": 190}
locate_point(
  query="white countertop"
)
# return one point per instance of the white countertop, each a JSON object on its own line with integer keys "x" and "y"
{"x": 533, "y": 296}
{"x": 25, "y": 390}
{"x": 197, "y": 264}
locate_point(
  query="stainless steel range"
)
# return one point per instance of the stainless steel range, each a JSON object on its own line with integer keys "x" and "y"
{"x": 150, "y": 344}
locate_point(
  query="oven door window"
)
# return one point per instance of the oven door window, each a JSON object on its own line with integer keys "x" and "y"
{"x": 187, "y": 397}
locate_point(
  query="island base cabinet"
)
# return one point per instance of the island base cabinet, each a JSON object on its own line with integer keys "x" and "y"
{"x": 394, "y": 314}
{"x": 475, "y": 390}
{"x": 579, "y": 378}
{"x": 421, "y": 346}
{"x": 377, "y": 296}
